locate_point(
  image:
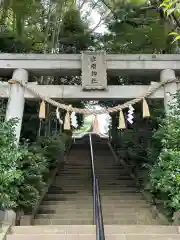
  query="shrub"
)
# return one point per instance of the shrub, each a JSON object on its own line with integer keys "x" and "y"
{"x": 34, "y": 166}
{"x": 165, "y": 179}
{"x": 24, "y": 170}
{"x": 165, "y": 174}
{"x": 10, "y": 175}
{"x": 53, "y": 147}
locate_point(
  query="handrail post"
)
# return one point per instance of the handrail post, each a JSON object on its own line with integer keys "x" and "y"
{"x": 94, "y": 181}
{"x": 94, "y": 203}
{"x": 92, "y": 156}
{"x": 101, "y": 224}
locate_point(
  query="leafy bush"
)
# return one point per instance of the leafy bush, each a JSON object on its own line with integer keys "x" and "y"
{"x": 10, "y": 175}
{"x": 36, "y": 165}
{"x": 53, "y": 147}
{"x": 165, "y": 179}
{"x": 33, "y": 166}
{"x": 165, "y": 174}
{"x": 24, "y": 170}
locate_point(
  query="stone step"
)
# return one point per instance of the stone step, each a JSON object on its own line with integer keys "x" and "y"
{"x": 65, "y": 229}
{"x": 62, "y": 222}
{"x": 103, "y": 193}
{"x": 89, "y": 173}
{"x": 107, "y": 177}
{"x": 86, "y": 168}
{"x": 73, "y": 185}
{"x": 103, "y": 190}
{"x": 77, "y": 209}
{"x": 88, "y": 222}
{"x": 99, "y": 168}
{"x": 89, "y": 176}
{"x": 106, "y": 189}
{"x": 91, "y": 229}
{"x": 104, "y": 166}
{"x": 65, "y": 189}
{"x": 125, "y": 196}
{"x": 141, "y": 214}
{"x": 81, "y": 201}
{"x": 114, "y": 215}
{"x": 112, "y": 204}
{"x": 87, "y": 179}
{"x": 91, "y": 237}
{"x": 76, "y": 184}
{"x": 67, "y": 215}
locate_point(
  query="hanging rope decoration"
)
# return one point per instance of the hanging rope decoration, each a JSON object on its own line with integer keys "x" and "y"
{"x": 122, "y": 124}
{"x": 151, "y": 90}
{"x": 95, "y": 125}
{"x": 42, "y": 110}
{"x": 146, "y": 112}
{"x": 67, "y": 121}
{"x": 58, "y": 116}
{"x": 108, "y": 123}
{"x": 74, "y": 120}
{"x": 130, "y": 114}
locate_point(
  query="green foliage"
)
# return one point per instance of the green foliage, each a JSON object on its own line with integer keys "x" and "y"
{"x": 74, "y": 36}
{"x": 137, "y": 26}
{"x": 10, "y": 175}
{"x": 165, "y": 179}
{"x": 137, "y": 33}
{"x": 171, "y": 9}
{"x": 52, "y": 148}
{"x": 9, "y": 43}
{"x": 165, "y": 174}
{"x": 34, "y": 167}
{"x": 24, "y": 170}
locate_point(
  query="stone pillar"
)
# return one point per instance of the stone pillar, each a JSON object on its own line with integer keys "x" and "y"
{"x": 170, "y": 88}
{"x": 16, "y": 100}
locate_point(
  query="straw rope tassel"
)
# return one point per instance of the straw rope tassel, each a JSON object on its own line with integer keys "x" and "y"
{"x": 67, "y": 124}
{"x": 96, "y": 125}
{"x": 146, "y": 112}
{"x": 42, "y": 110}
{"x": 122, "y": 124}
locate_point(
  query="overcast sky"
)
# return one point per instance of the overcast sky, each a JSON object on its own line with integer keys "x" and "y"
{"x": 94, "y": 19}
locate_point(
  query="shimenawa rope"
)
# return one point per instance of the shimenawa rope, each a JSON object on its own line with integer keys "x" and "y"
{"x": 69, "y": 108}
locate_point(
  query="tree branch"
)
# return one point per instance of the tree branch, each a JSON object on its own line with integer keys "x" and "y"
{"x": 176, "y": 19}
{"x": 99, "y": 22}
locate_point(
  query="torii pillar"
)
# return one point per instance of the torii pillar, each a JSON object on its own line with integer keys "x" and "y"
{"x": 170, "y": 89}
{"x": 15, "y": 107}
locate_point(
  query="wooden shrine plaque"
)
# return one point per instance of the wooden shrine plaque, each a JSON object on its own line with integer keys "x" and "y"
{"x": 94, "y": 71}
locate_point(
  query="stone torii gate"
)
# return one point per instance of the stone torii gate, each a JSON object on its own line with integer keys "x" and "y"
{"x": 93, "y": 68}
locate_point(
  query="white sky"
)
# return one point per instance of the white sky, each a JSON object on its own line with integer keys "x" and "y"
{"x": 94, "y": 19}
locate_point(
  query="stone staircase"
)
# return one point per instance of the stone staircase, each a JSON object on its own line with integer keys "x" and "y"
{"x": 122, "y": 201}
{"x": 67, "y": 212}
{"x": 69, "y": 200}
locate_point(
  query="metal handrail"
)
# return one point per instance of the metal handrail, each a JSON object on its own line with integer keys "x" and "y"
{"x": 97, "y": 206}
